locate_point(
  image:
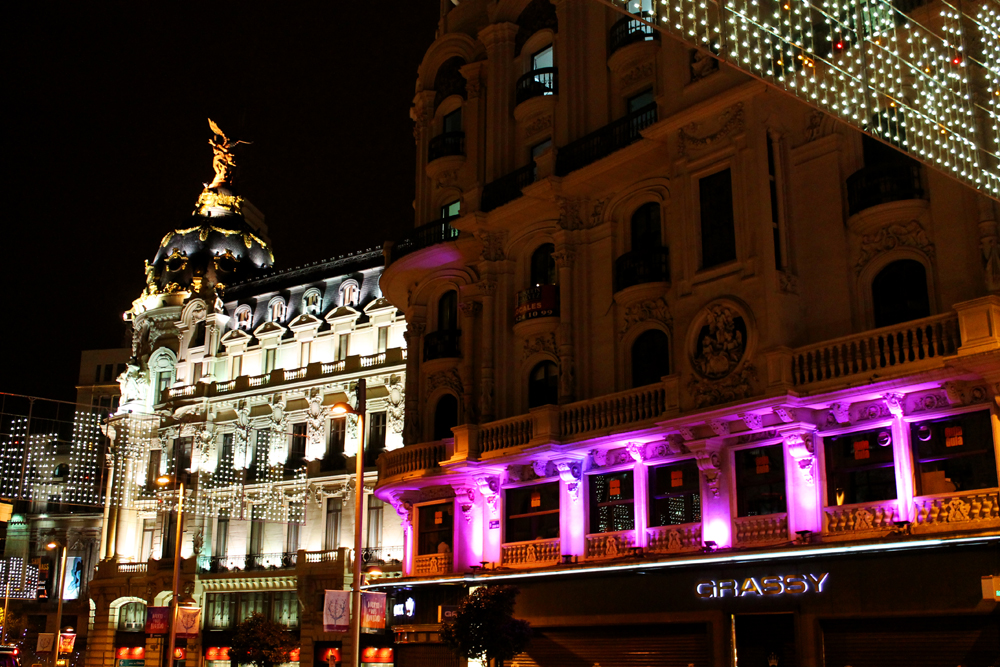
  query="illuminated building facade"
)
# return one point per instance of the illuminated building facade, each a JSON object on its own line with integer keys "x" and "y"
{"x": 234, "y": 370}
{"x": 703, "y": 371}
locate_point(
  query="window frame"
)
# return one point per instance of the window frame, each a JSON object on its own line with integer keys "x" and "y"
{"x": 448, "y": 531}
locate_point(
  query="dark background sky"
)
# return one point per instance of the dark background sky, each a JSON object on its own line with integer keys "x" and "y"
{"x": 105, "y": 148}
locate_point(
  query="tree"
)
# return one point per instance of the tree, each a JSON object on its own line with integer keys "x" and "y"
{"x": 261, "y": 642}
{"x": 485, "y": 627}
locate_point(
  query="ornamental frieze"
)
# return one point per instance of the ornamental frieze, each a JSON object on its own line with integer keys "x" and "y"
{"x": 897, "y": 235}
{"x": 655, "y": 310}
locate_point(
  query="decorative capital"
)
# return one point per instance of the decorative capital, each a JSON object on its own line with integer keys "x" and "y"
{"x": 564, "y": 258}
{"x": 636, "y": 451}
{"x": 894, "y": 402}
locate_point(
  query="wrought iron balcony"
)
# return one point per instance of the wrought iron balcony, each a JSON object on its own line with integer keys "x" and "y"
{"x": 447, "y": 143}
{"x": 628, "y": 31}
{"x": 646, "y": 265}
{"x": 537, "y": 301}
{"x": 507, "y": 188}
{"x": 442, "y": 344}
{"x": 536, "y": 83}
{"x": 605, "y": 141}
{"x": 247, "y": 563}
{"x": 425, "y": 236}
{"x": 882, "y": 184}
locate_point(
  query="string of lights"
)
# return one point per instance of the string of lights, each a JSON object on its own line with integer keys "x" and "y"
{"x": 931, "y": 89}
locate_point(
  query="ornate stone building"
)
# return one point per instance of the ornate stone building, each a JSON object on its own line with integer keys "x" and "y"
{"x": 665, "y": 321}
{"x": 234, "y": 369}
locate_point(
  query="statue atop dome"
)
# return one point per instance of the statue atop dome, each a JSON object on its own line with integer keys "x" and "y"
{"x": 223, "y": 160}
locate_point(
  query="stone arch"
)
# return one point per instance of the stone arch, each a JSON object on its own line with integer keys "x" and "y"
{"x": 434, "y": 403}
{"x": 627, "y": 348}
{"x": 871, "y": 270}
{"x": 452, "y": 45}
{"x": 620, "y": 209}
{"x": 115, "y": 608}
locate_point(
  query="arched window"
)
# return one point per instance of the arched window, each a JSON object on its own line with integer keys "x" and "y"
{"x": 244, "y": 318}
{"x": 311, "y": 301}
{"x": 646, "y": 227}
{"x": 132, "y": 617}
{"x": 899, "y": 293}
{"x": 650, "y": 358}
{"x": 445, "y": 417}
{"x": 543, "y": 265}
{"x": 349, "y": 294}
{"x": 543, "y": 385}
{"x": 276, "y": 309}
{"x": 448, "y": 311}
{"x": 61, "y": 471}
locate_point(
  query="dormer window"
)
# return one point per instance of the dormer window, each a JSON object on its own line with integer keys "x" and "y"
{"x": 244, "y": 318}
{"x": 276, "y": 309}
{"x": 349, "y": 294}
{"x": 311, "y": 302}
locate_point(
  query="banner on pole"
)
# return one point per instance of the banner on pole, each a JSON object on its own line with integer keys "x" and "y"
{"x": 336, "y": 611}
{"x": 188, "y": 622}
{"x": 157, "y": 620}
{"x": 373, "y": 613}
{"x": 46, "y": 642}
{"x": 67, "y": 641}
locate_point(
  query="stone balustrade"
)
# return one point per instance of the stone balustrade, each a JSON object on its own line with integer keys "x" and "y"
{"x": 860, "y": 520}
{"x": 531, "y": 554}
{"x": 132, "y": 568}
{"x": 625, "y": 408}
{"x": 505, "y": 433}
{"x": 412, "y": 458}
{"x": 674, "y": 539}
{"x": 432, "y": 564}
{"x": 760, "y": 530}
{"x": 947, "y": 512}
{"x": 610, "y": 545}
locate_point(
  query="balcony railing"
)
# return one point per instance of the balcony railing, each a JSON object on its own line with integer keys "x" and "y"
{"x": 537, "y": 301}
{"x": 445, "y": 144}
{"x": 430, "y": 234}
{"x": 946, "y": 512}
{"x": 432, "y": 564}
{"x": 628, "y": 31}
{"x": 510, "y": 432}
{"x": 328, "y": 556}
{"x": 536, "y": 83}
{"x": 859, "y": 520}
{"x": 610, "y": 545}
{"x": 880, "y": 351}
{"x": 411, "y": 458}
{"x": 248, "y": 562}
{"x": 531, "y": 554}
{"x": 605, "y": 141}
{"x": 382, "y": 556}
{"x": 645, "y": 265}
{"x": 507, "y": 188}
{"x": 883, "y": 184}
{"x": 674, "y": 539}
{"x": 442, "y": 344}
{"x": 760, "y": 530}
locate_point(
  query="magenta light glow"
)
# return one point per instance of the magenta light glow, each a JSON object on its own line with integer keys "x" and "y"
{"x": 572, "y": 522}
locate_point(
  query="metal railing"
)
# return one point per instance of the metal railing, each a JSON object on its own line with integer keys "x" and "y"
{"x": 442, "y": 344}
{"x": 382, "y": 556}
{"x": 536, "y": 83}
{"x": 645, "y": 265}
{"x": 506, "y": 188}
{"x": 882, "y": 184}
{"x": 605, "y": 141}
{"x": 425, "y": 236}
{"x": 628, "y": 31}
{"x": 248, "y": 562}
{"x": 445, "y": 144}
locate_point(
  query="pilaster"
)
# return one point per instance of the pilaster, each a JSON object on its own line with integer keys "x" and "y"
{"x": 498, "y": 39}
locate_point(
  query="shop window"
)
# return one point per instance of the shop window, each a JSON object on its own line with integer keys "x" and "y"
{"x": 220, "y": 611}
{"x": 285, "y": 608}
{"x": 718, "y": 225}
{"x": 612, "y": 502}
{"x": 447, "y": 312}
{"x": 675, "y": 494}
{"x": 532, "y": 513}
{"x": 760, "y": 481}
{"x": 543, "y": 385}
{"x": 899, "y": 293}
{"x": 434, "y": 529}
{"x": 650, "y": 358}
{"x": 954, "y": 454}
{"x": 543, "y": 265}
{"x": 445, "y": 417}
{"x": 252, "y": 603}
{"x": 334, "y": 511}
{"x": 132, "y": 617}
{"x": 859, "y": 467}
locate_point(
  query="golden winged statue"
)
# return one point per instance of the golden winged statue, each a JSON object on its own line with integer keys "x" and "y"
{"x": 223, "y": 160}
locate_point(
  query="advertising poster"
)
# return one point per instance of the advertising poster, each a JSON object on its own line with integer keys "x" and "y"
{"x": 46, "y": 642}
{"x": 188, "y": 622}
{"x": 337, "y": 611}
{"x": 66, "y": 642}
{"x": 74, "y": 578}
{"x": 157, "y": 620}
{"x": 373, "y": 613}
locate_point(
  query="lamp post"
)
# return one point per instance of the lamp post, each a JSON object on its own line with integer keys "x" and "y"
{"x": 62, "y": 583}
{"x": 164, "y": 480}
{"x": 359, "y": 412}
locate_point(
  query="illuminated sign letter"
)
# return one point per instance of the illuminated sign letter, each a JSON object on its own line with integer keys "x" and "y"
{"x": 728, "y": 585}
{"x": 796, "y": 583}
{"x": 818, "y": 581}
{"x": 705, "y": 589}
{"x": 750, "y": 586}
{"x": 772, "y": 585}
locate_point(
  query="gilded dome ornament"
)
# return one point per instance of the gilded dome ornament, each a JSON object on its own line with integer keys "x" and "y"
{"x": 223, "y": 160}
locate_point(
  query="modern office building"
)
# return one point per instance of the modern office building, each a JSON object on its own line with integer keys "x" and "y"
{"x": 706, "y": 373}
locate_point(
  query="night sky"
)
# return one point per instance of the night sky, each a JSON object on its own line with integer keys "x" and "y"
{"x": 105, "y": 148}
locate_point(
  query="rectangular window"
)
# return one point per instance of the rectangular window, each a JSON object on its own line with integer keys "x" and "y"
{"x": 383, "y": 339}
{"x": 537, "y": 150}
{"x": 334, "y": 459}
{"x": 292, "y": 537}
{"x": 237, "y": 367}
{"x": 162, "y": 384}
{"x": 153, "y": 468}
{"x": 226, "y": 452}
{"x": 258, "y": 459}
{"x": 612, "y": 498}
{"x": 777, "y": 206}
{"x": 285, "y": 608}
{"x": 108, "y": 372}
{"x": 542, "y": 58}
{"x": 256, "y": 536}
{"x": 451, "y": 210}
{"x": 198, "y": 337}
{"x": 253, "y": 603}
{"x": 222, "y": 537}
{"x": 675, "y": 494}
{"x": 270, "y": 356}
{"x": 718, "y": 225}
{"x": 220, "y": 611}
{"x": 168, "y": 538}
{"x": 97, "y": 374}
{"x": 196, "y": 372}
{"x": 374, "y": 533}
{"x": 452, "y": 122}
{"x": 954, "y": 454}
{"x": 305, "y": 354}
{"x": 859, "y": 467}
{"x": 638, "y": 102}
{"x": 342, "y": 346}
{"x": 148, "y": 529}
{"x": 334, "y": 509}
{"x": 532, "y": 513}
{"x": 376, "y": 437}
{"x": 760, "y": 481}
{"x": 434, "y": 529}
{"x": 297, "y": 448}
{"x": 119, "y": 370}
{"x": 182, "y": 453}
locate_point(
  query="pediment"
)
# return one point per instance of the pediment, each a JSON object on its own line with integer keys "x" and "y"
{"x": 305, "y": 321}
{"x": 344, "y": 313}
{"x": 269, "y": 330}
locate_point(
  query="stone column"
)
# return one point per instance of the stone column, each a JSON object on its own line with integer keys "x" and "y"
{"x": 716, "y": 511}
{"x": 422, "y": 114}
{"x": 474, "y": 122}
{"x": 487, "y": 407}
{"x": 902, "y": 458}
{"x": 500, "y": 131}
{"x": 413, "y": 335}
{"x": 805, "y": 506}
{"x": 567, "y": 369}
{"x": 468, "y": 309}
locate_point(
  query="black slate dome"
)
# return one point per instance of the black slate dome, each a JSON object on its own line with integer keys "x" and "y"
{"x": 217, "y": 248}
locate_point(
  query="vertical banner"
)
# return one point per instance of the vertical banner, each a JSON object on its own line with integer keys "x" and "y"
{"x": 188, "y": 621}
{"x": 336, "y": 611}
{"x": 157, "y": 620}
{"x": 74, "y": 578}
{"x": 46, "y": 642}
{"x": 66, "y": 642}
{"x": 373, "y": 613}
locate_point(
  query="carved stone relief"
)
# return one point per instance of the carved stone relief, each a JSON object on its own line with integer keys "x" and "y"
{"x": 731, "y": 122}
{"x": 493, "y": 245}
{"x": 544, "y": 343}
{"x": 722, "y": 373}
{"x": 702, "y": 64}
{"x": 897, "y": 235}
{"x": 656, "y": 310}
{"x": 637, "y": 74}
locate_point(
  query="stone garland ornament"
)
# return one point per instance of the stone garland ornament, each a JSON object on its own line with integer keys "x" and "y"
{"x": 897, "y": 235}
{"x": 315, "y": 429}
{"x": 277, "y": 451}
{"x": 654, "y": 310}
{"x": 396, "y": 405}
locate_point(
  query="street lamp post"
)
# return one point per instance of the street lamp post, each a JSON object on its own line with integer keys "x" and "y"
{"x": 359, "y": 471}
{"x": 164, "y": 480}
{"x": 59, "y": 594}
